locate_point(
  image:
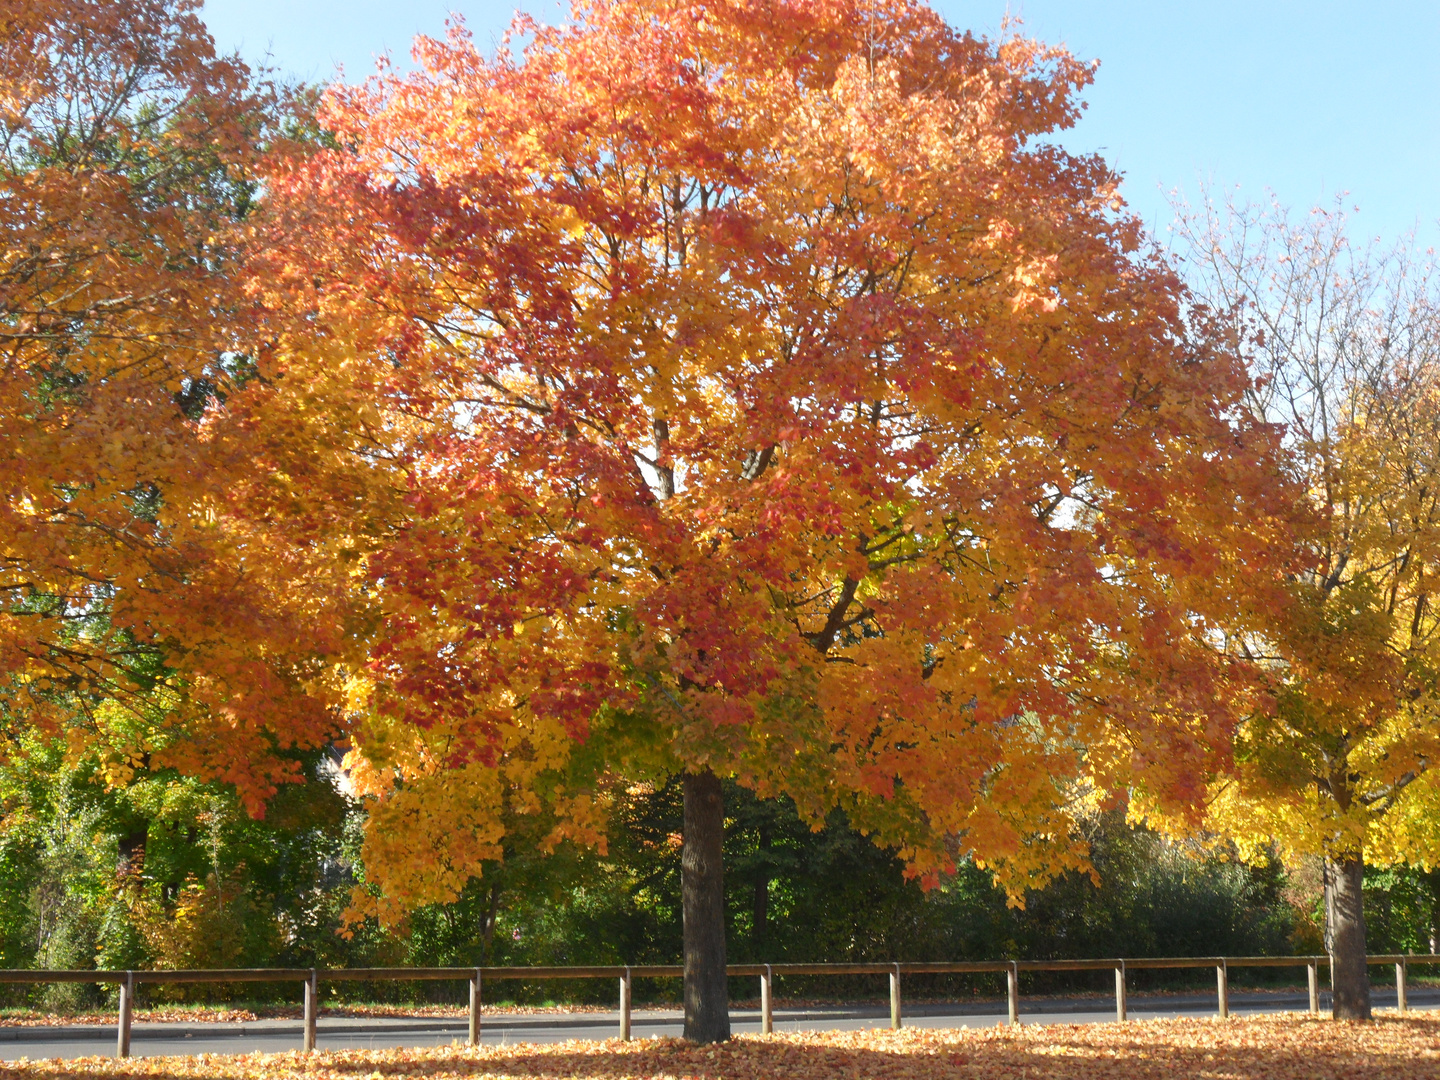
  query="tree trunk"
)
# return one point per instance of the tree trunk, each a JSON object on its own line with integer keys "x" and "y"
{"x": 702, "y": 888}
{"x": 1432, "y": 880}
{"x": 487, "y": 930}
{"x": 132, "y": 851}
{"x": 1345, "y": 933}
{"x": 760, "y": 901}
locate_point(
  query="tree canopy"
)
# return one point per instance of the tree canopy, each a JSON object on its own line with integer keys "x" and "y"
{"x": 1345, "y": 343}
{"x": 770, "y": 396}
{"x": 750, "y": 392}
{"x": 145, "y": 605}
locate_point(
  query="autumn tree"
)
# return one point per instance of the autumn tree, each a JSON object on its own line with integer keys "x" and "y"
{"x": 774, "y": 401}
{"x": 1345, "y": 341}
{"x": 146, "y": 608}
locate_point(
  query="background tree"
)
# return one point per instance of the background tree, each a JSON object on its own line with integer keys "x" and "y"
{"x": 146, "y": 605}
{"x": 1345, "y": 341}
{"x": 776, "y": 403}
{"x": 217, "y": 887}
{"x": 166, "y": 871}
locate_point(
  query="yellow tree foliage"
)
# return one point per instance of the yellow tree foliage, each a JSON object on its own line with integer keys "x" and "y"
{"x": 1346, "y": 344}
{"x": 206, "y": 925}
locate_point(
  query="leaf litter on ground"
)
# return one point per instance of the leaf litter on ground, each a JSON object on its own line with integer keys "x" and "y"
{"x": 1290, "y": 1047}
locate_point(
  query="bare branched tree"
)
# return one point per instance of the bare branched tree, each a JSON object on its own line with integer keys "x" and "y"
{"x": 1343, "y": 340}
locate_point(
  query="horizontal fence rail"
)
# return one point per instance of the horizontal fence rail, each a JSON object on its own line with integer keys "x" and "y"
{"x": 311, "y": 978}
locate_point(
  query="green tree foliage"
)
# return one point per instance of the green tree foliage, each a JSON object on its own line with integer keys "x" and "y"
{"x": 164, "y": 871}
{"x": 167, "y": 872}
{"x": 1402, "y": 909}
{"x": 833, "y": 895}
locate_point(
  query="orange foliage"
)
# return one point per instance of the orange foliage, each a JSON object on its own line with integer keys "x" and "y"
{"x": 1275, "y": 1048}
{"x": 765, "y": 393}
{"x": 143, "y": 601}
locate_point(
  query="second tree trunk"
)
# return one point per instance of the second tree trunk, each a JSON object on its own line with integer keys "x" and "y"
{"x": 702, "y": 889}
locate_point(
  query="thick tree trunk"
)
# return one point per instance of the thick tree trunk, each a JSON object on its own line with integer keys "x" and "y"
{"x": 702, "y": 888}
{"x": 1345, "y": 931}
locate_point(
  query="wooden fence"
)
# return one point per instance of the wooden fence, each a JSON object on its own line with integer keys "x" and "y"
{"x": 767, "y": 974}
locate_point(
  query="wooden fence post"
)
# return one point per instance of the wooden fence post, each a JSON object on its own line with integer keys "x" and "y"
{"x": 1012, "y": 990}
{"x": 1312, "y": 975}
{"x": 311, "y": 994}
{"x": 127, "y": 999}
{"x": 895, "y": 999}
{"x": 1401, "y": 1004}
{"x": 1120, "y": 990}
{"x": 767, "y": 1011}
{"x": 625, "y": 1006}
{"x": 1222, "y": 985}
{"x": 473, "y": 1035}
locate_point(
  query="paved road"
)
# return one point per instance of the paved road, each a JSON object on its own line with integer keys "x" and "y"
{"x": 156, "y": 1040}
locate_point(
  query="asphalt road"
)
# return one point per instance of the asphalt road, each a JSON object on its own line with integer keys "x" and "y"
{"x": 339, "y": 1033}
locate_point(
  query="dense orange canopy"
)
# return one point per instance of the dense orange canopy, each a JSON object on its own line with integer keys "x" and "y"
{"x": 771, "y": 397}
{"x": 145, "y": 602}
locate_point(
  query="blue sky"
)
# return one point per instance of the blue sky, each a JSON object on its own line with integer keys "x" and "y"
{"x": 1309, "y": 99}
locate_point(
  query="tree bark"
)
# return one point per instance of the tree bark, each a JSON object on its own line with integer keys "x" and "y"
{"x": 487, "y": 931}
{"x": 702, "y": 888}
{"x": 132, "y": 851}
{"x": 760, "y": 901}
{"x": 1345, "y": 934}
